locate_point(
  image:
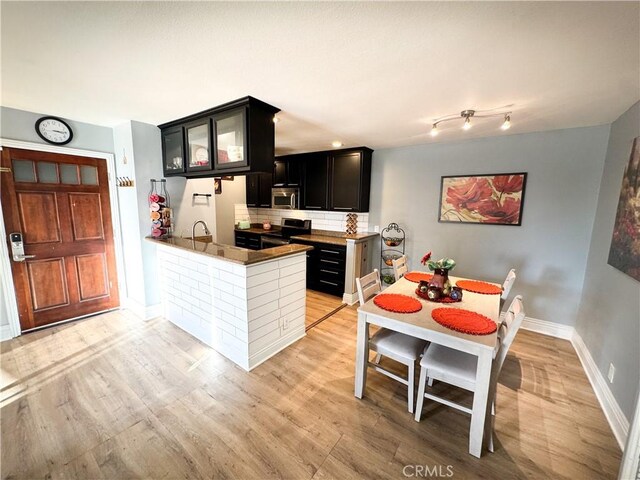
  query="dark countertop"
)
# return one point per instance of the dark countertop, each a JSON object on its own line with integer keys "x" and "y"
{"x": 243, "y": 256}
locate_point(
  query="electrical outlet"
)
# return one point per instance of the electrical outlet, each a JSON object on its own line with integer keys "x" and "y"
{"x": 376, "y": 229}
{"x": 612, "y": 372}
{"x": 285, "y": 323}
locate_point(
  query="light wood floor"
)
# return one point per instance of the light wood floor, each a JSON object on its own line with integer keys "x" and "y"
{"x": 114, "y": 397}
{"x": 319, "y": 305}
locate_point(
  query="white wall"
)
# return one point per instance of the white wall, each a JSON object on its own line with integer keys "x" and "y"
{"x": 140, "y": 144}
{"x": 609, "y": 314}
{"x": 188, "y": 209}
{"x": 549, "y": 250}
{"x": 233, "y": 192}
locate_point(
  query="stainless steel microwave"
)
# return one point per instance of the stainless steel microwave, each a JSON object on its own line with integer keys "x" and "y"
{"x": 285, "y": 198}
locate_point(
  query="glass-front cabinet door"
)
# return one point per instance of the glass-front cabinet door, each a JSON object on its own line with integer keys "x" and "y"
{"x": 230, "y": 136}
{"x": 198, "y": 152}
{"x": 173, "y": 150}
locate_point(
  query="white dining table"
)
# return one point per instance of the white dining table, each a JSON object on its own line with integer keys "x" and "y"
{"x": 421, "y": 325}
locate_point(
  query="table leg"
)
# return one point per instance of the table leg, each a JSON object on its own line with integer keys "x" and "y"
{"x": 480, "y": 403}
{"x": 362, "y": 354}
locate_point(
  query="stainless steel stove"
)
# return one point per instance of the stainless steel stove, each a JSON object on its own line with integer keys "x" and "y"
{"x": 290, "y": 227}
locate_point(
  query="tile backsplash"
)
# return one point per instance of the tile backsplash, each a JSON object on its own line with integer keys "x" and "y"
{"x": 334, "y": 221}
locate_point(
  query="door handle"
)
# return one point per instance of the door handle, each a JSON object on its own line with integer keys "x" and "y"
{"x": 22, "y": 258}
{"x": 293, "y": 201}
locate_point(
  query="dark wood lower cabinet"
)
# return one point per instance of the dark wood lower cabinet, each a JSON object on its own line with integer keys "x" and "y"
{"x": 247, "y": 240}
{"x": 326, "y": 265}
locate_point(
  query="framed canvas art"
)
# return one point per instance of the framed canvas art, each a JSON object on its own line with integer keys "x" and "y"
{"x": 495, "y": 199}
{"x": 624, "y": 253}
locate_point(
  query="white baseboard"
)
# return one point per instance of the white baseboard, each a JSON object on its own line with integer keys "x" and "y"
{"x": 616, "y": 418}
{"x": 5, "y": 333}
{"x": 548, "y": 328}
{"x": 142, "y": 311}
{"x": 350, "y": 298}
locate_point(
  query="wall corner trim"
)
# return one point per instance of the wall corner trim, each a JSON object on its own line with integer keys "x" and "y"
{"x": 616, "y": 418}
{"x": 143, "y": 312}
{"x": 5, "y": 333}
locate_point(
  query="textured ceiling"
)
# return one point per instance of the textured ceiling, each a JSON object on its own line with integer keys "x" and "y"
{"x": 365, "y": 73}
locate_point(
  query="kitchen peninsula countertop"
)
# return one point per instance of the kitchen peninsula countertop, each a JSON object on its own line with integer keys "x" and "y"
{"x": 334, "y": 238}
{"x": 318, "y": 236}
{"x": 229, "y": 253}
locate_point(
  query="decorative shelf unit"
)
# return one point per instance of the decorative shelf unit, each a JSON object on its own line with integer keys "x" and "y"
{"x": 160, "y": 209}
{"x": 392, "y": 245}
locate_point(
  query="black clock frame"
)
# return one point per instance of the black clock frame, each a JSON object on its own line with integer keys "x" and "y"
{"x": 42, "y": 119}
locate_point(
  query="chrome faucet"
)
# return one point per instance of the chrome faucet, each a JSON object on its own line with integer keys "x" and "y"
{"x": 193, "y": 229}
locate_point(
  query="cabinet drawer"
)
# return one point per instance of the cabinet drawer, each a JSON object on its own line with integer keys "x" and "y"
{"x": 331, "y": 263}
{"x": 331, "y": 277}
{"x": 330, "y": 251}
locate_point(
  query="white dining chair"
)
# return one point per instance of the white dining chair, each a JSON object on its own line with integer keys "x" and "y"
{"x": 459, "y": 368}
{"x": 399, "y": 267}
{"x": 506, "y": 286}
{"x": 402, "y": 348}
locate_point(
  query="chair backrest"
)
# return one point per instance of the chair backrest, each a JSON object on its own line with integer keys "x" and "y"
{"x": 368, "y": 286}
{"x": 508, "y": 283}
{"x": 400, "y": 267}
{"x": 508, "y": 329}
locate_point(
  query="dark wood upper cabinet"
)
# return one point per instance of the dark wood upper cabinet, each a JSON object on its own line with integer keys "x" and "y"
{"x": 259, "y": 190}
{"x": 229, "y": 138}
{"x": 264, "y": 199}
{"x": 286, "y": 171}
{"x": 253, "y": 191}
{"x": 337, "y": 180}
{"x": 315, "y": 181}
{"x": 279, "y": 173}
{"x": 235, "y": 138}
{"x": 198, "y": 145}
{"x": 350, "y": 180}
{"x": 173, "y": 151}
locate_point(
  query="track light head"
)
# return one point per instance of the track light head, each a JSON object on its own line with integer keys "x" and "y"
{"x": 507, "y": 122}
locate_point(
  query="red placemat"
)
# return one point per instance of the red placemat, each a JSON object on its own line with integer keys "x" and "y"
{"x": 394, "y": 302}
{"x": 417, "y": 276}
{"x": 464, "y": 321}
{"x": 440, "y": 300}
{"x": 479, "y": 287}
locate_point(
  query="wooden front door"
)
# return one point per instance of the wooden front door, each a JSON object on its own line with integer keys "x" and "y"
{"x": 60, "y": 205}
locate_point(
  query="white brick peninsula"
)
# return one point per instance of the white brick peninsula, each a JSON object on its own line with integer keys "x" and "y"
{"x": 247, "y": 305}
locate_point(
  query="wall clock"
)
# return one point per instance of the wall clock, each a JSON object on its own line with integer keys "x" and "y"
{"x": 54, "y": 130}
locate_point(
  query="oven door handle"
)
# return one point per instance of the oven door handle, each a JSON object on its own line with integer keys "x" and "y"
{"x": 293, "y": 201}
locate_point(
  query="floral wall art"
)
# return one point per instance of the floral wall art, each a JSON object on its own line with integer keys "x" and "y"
{"x": 495, "y": 199}
{"x": 624, "y": 253}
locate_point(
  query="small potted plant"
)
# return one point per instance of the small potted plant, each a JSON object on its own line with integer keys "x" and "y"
{"x": 440, "y": 271}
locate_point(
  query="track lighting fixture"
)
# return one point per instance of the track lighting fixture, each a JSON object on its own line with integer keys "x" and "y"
{"x": 467, "y": 114}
